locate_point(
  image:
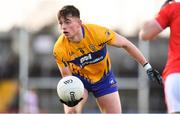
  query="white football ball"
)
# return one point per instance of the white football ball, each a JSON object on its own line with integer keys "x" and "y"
{"x": 70, "y": 88}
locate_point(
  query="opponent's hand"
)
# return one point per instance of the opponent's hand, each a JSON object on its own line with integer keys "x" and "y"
{"x": 153, "y": 74}
{"x": 71, "y": 103}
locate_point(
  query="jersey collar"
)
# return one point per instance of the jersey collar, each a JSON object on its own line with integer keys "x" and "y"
{"x": 83, "y": 31}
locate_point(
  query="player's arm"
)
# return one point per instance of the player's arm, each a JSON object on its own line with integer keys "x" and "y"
{"x": 61, "y": 63}
{"x": 153, "y": 27}
{"x": 133, "y": 51}
{"x": 149, "y": 30}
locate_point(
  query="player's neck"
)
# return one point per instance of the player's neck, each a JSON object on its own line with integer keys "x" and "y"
{"x": 78, "y": 37}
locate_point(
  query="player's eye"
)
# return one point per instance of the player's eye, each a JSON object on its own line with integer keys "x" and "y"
{"x": 67, "y": 22}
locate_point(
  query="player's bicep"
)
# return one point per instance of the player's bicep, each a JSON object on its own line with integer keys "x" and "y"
{"x": 118, "y": 41}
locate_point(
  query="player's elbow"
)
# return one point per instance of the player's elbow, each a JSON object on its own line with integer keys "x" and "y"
{"x": 144, "y": 36}
{"x": 149, "y": 30}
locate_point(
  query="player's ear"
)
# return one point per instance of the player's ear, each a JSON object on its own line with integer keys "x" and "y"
{"x": 80, "y": 21}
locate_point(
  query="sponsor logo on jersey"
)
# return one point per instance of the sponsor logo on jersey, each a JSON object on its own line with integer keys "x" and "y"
{"x": 90, "y": 58}
{"x": 85, "y": 58}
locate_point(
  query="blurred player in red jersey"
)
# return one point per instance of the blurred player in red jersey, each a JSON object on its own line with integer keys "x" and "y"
{"x": 81, "y": 51}
{"x": 168, "y": 16}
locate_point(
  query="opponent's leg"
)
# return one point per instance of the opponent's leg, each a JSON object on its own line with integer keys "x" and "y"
{"x": 78, "y": 107}
{"x": 172, "y": 93}
{"x": 110, "y": 103}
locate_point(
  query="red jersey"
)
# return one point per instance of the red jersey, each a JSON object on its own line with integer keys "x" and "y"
{"x": 169, "y": 16}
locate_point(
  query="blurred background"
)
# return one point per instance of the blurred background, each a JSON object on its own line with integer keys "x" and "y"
{"x": 29, "y": 74}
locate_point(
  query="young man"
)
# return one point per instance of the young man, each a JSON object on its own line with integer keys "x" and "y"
{"x": 168, "y": 16}
{"x": 81, "y": 51}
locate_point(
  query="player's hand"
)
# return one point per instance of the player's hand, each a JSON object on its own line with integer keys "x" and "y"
{"x": 153, "y": 74}
{"x": 71, "y": 103}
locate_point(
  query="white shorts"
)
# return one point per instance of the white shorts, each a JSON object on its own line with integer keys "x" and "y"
{"x": 172, "y": 92}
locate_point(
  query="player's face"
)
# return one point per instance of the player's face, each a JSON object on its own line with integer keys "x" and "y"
{"x": 70, "y": 26}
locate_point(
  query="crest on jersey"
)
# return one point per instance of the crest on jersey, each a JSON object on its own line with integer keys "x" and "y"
{"x": 71, "y": 53}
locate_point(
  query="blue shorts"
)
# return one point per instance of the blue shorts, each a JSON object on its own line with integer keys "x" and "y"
{"x": 106, "y": 85}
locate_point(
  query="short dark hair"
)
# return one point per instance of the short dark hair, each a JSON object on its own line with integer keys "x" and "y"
{"x": 166, "y": 2}
{"x": 68, "y": 10}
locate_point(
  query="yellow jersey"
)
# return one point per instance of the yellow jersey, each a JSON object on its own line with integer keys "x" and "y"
{"x": 89, "y": 58}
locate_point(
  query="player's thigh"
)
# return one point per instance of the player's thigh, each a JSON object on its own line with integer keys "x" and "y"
{"x": 78, "y": 108}
{"x": 109, "y": 103}
{"x": 172, "y": 92}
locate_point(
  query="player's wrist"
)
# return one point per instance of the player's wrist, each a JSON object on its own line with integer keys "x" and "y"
{"x": 147, "y": 66}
